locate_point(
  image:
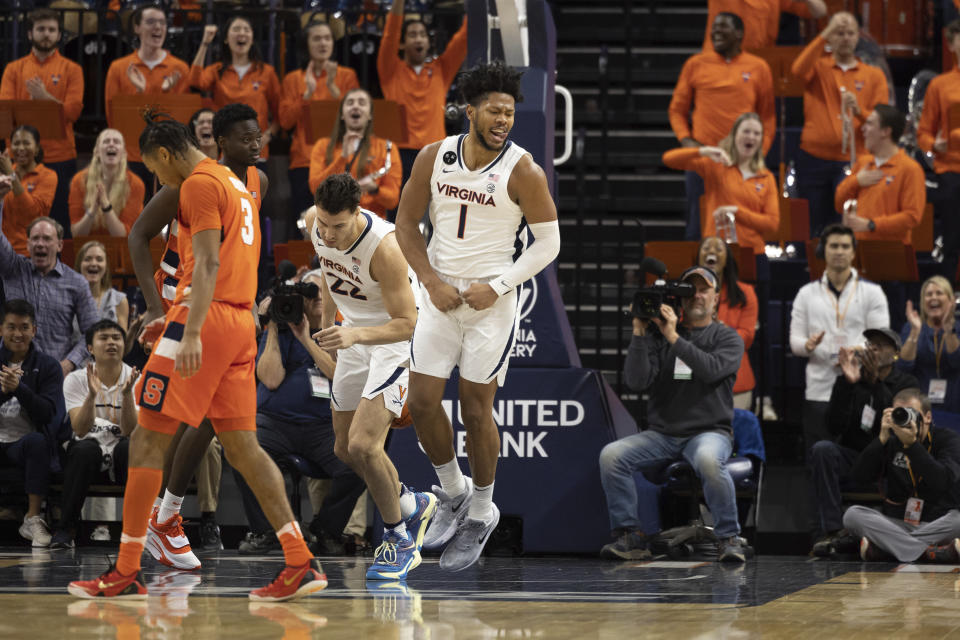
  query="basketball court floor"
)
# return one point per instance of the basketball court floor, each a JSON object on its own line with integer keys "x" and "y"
{"x": 770, "y": 597}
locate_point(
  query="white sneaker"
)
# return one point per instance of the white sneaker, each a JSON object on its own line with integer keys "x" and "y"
{"x": 35, "y": 529}
{"x": 168, "y": 545}
{"x": 101, "y": 533}
{"x": 449, "y": 515}
{"x": 468, "y": 543}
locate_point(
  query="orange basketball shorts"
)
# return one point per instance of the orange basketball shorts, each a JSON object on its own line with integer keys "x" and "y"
{"x": 224, "y": 389}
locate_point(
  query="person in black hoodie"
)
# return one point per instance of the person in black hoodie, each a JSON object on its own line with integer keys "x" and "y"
{"x": 918, "y": 466}
{"x": 31, "y": 398}
{"x": 864, "y": 389}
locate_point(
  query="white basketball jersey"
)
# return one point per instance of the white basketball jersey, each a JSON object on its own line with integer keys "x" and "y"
{"x": 475, "y": 223}
{"x": 347, "y": 273}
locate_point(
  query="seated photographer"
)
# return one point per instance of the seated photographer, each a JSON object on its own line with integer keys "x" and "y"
{"x": 99, "y": 400}
{"x": 919, "y": 465}
{"x": 688, "y": 369}
{"x": 931, "y": 348}
{"x": 866, "y": 387}
{"x": 293, "y": 412}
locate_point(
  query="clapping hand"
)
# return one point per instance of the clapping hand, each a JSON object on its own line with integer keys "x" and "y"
{"x": 10, "y": 378}
{"x": 136, "y": 78}
{"x": 849, "y": 364}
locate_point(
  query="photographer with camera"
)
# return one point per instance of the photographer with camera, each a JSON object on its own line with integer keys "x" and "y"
{"x": 918, "y": 465}
{"x": 688, "y": 368}
{"x": 293, "y": 411}
{"x": 862, "y": 391}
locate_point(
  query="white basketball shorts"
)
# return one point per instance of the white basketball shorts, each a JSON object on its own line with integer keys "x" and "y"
{"x": 367, "y": 371}
{"x": 479, "y": 342}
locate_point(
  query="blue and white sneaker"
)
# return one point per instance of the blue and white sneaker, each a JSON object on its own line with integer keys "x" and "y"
{"x": 451, "y": 512}
{"x": 419, "y": 520}
{"x": 395, "y": 602}
{"x": 394, "y": 557}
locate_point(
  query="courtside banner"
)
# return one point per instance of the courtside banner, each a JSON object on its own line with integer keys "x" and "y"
{"x": 543, "y": 336}
{"x": 553, "y": 423}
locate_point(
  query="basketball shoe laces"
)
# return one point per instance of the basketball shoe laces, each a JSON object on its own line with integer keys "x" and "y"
{"x": 389, "y": 550}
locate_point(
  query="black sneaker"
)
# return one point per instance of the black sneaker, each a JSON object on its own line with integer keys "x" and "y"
{"x": 869, "y": 552}
{"x": 259, "y": 543}
{"x": 326, "y": 545}
{"x": 732, "y": 550}
{"x": 825, "y": 546}
{"x": 62, "y": 540}
{"x": 210, "y": 535}
{"x": 629, "y": 546}
{"x": 940, "y": 554}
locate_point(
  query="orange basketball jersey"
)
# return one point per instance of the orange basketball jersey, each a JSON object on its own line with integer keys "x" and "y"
{"x": 168, "y": 275}
{"x": 212, "y": 197}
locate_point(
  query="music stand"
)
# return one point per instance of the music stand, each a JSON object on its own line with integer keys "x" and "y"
{"x": 126, "y": 114}
{"x": 46, "y": 116}
{"x": 888, "y": 260}
{"x": 953, "y": 122}
{"x": 794, "y": 221}
{"x": 678, "y": 256}
{"x": 389, "y": 120}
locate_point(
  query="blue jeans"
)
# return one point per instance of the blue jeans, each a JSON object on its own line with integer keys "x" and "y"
{"x": 648, "y": 450}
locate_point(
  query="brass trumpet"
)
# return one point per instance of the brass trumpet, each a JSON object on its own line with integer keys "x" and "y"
{"x": 848, "y": 135}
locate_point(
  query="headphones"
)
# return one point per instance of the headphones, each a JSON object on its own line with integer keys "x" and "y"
{"x": 830, "y": 230}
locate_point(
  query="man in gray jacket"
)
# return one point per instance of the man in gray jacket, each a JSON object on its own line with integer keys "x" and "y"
{"x": 688, "y": 372}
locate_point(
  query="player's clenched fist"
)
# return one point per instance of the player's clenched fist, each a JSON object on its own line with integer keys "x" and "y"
{"x": 189, "y": 356}
{"x": 444, "y": 297}
{"x": 336, "y": 337}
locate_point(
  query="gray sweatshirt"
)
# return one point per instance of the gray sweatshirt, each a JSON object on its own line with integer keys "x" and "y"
{"x": 679, "y": 407}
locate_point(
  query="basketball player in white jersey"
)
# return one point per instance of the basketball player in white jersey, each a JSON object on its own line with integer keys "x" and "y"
{"x": 481, "y": 188}
{"x": 365, "y": 277}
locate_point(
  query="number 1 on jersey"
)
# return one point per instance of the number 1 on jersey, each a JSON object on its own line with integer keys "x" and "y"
{"x": 463, "y": 221}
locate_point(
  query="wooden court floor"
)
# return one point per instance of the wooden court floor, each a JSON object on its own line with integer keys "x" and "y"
{"x": 769, "y": 597}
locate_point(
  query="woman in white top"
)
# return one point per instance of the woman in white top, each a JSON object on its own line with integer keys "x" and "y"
{"x": 92, "y": 264}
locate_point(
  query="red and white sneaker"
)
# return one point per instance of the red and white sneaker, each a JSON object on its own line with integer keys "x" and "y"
{"x": 292, "y": 583}
{"x": 168, "y": 545}
{"x": 111, "y": 584}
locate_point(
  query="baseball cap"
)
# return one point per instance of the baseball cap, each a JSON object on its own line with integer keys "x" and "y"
{"x": 704, "y": 272}
{"x": 889, "y": 334}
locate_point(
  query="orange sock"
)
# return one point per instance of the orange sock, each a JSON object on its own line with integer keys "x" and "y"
{"x": 295, "y": 550}
{"x": 142, "y": 487}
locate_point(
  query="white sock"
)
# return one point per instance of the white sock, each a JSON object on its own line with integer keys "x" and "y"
{"x": 157, "y": 502}
{"x": 169, "y": 507}
{"x": 400, "y": 529}
{"x": 408, "y": 502}
{"x": 481, "y": 506}
{"x": 451, "y": 478}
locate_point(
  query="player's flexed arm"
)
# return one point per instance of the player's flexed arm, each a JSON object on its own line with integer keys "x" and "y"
{"x": 389, "y": 268}
{"x": 528, "y": 188}
{"x": 413, "y": 202}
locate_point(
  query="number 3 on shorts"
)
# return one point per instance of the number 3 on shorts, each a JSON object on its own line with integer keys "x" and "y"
{"x": 246, "y": 233}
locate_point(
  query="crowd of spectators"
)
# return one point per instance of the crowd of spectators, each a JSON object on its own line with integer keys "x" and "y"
{"x": 859, "y": 186}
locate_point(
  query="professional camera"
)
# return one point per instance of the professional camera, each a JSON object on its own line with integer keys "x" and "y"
{"x": 647, "y": 301}
{"x": 905, "y": 416}
{"x": 286, "y": 302}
